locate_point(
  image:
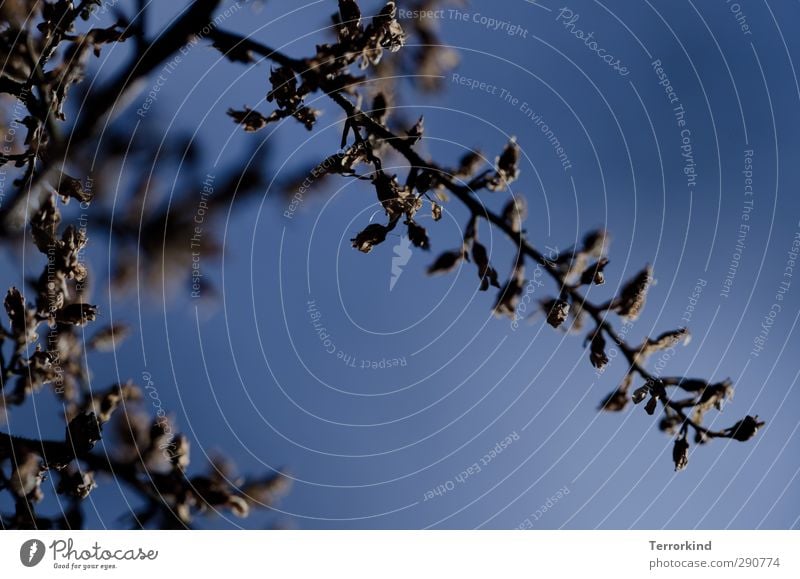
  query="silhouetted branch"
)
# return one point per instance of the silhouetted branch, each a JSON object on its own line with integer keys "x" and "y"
{"x": 327, "y": 70}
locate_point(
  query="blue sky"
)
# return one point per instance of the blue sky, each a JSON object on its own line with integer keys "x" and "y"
{"x": 438, "y": 382}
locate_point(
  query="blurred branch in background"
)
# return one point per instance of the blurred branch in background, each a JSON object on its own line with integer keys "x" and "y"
{"x": 47, "y": 48}
{"x": 111, "y": 167}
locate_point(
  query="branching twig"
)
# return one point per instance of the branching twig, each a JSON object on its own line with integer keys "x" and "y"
{"x": 319, "y": 73}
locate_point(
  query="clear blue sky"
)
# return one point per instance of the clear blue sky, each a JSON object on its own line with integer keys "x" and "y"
{"x": 365, "y": 445}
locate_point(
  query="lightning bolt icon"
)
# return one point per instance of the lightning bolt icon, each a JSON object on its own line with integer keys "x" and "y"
{"x": 32, "y": 552}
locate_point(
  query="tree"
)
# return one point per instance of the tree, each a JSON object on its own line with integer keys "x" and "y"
{"x": 48, "y": 48}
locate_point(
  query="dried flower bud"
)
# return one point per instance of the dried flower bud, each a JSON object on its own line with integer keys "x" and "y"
{"x": 238, "y": 506}
{"x": 71, "y": 187}
{"x": 77, "y": 314}
{"x": 349, "y": 20}
{"x": 178, "y": 452}
{"x": 745, "y": 429}
{"x": 436, "y": 211}
{"x": 374, "y": 234}
{"x": 76, "y": 484}
{"x": 83, "y": 432}
{"x": 508, "y": 297}
{"x": 40, "y": 370}
{"x": 27, "y": 475}
{"x": 486, "y": 273}
{"x": 680, "y": 453}
{"x": 615, "y": 402}
{"x": 268, "y": 489}
{"x": 631, "y": 301}
{"x": 670, "y": 423}
{"x": 667, "y": 340}
{"x": 307, "y": 116}
{"x": 389, "y": 33}
{"x": 651, "y": 405}
{"x": 658, "y": 389}
{"x": 640, "y": 393}
{"x": 506, "y": 167}
{"x": 469, "y": 164}
{"x": 384, "y": 32}
{"x": 515, "y": 212}
{"x": 22, "y": 322}
{"x": 250, "y": 119}
{"x": 396, "y": 200}
{"x": 44, "y": 224}
{"x": 715, "y": 395}
{"x": 558, "y": 312}
{"x": 445, "y": 262}
{"x": 597, "y": 350}
{"x": 284, "y": 88}
{"x": 594, "y": 273}
{"x": 106, "y": 339}
{"x": 595, "y": 242}
{"x": 417, "y": 234}
{"x": 105, "y": 404}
